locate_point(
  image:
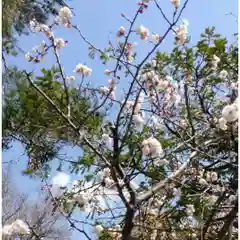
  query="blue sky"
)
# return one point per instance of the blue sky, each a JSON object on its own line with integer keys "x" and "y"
{"x": 99, "y": 21}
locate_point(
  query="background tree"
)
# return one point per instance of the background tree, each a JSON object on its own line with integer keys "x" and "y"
{"x": 37, "y": 215}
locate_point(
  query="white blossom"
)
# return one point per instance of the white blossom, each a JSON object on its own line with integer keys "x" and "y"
{"x": 152, "y": 145}
{"x": 216, "y": 58}
{"x": 56, "y": 190}
{"x": 223, "y": 74}
{"x": 208, "y": 177}
{"x": 183, "y": 123}
{"x": 128, "y": 105}
{"x": 211, "y": 176}
{"x": 156, "y": 38}
{"x": 234, "y": 85}
{"x": 7, "y": 229}
{"x": 70, "y": 79}
{"x": 109, "y": 182}
{"x": 222, "y": 123}
{"x": 75, "y": 183}
{"x": 230, "y": 113}
{"x": 232, "y": 198}
{"x": 214, "y": 176}
{"x": 173, "y": 235}
{"x": 154, "y": 234}
{"x": 200, "y": 173}
{"x": 17, "y": 227}
{"x": 34, "y": 26}
{"x": 107, "y": 139}
{"x": 145, "y": 150}
{"x": 138, "y": 120}
{"x": 59, "y": 43}
{"x": 154, "y": 63}
{"x": 113, "y": 95}
{"x": 130, "y": 57}
{"x": 215, "y": 62}
{"x": 194, "y": 235}
{"x": 28, "y": 57}
{"x": 21, "y": 227}
{"x": 98, "y": 229}
{"x": 143, "y": 32}
{"x": 130, "y": 46}
{"x": 202, "y": 181}
{"x": 104, "y": 90}
{"x": 112, "y": 83}
{"x": 82, "y": 198}
{"x": 83, "y": 69}
{"x": 141, "y": 97}
{"x": 106, "y": 172}
{"x": 182, "y": 32}
{"x": 121, "y": 32}
{"x": 163, "y": 84}
{"x": 37, "y": 27}
{"x": 177, "y": 192}
{"x": 65, "y": 12}
{"x": 64, "y": 16}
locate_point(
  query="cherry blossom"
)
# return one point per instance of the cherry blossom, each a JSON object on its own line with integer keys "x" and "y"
{"x": 143, "y": 32}
{"x": 64, "y": 16}
{"x": 16, "y": 227}
{"x": 121, "y": 32}
{"x": 83, "y": 69}
{"x": 155, "y": 38}
{"x": 182, "y": 32}
{"x": 230, "y": 113}
{"x": 98, "y": 229}
{"x": 59, "y": 43}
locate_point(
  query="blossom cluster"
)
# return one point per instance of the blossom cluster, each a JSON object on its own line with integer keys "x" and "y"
{"x": 143, "y": 32}
{"x": 16, "y": 227}
{"x": 64, "y": 17}
{"x": 229, "y": 115}
{"x": 151, "y": 146}
{"x": 156, "y": 84}
{"x": 83, "y": 69}
{"x": 182, "y": 32}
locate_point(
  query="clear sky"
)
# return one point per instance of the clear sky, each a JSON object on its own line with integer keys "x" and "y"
{"x": 99, "y": 21}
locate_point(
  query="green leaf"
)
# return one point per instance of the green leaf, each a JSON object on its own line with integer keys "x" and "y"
{"x": 220, "y": 44}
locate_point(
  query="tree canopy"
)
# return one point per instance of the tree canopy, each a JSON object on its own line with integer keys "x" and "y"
{"x": 17, "y": 16}
{"x": 164, "y": 163}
